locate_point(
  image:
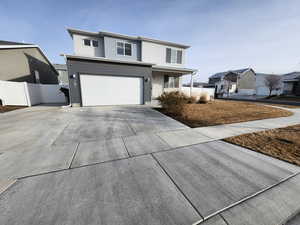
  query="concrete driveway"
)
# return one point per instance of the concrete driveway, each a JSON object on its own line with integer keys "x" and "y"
{"x": 133, "y": 165}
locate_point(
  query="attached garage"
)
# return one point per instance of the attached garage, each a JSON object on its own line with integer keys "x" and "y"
{"x": 96, "y": 81}
{"x": 111, "y": 90}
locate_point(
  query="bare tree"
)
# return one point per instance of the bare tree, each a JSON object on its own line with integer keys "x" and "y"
{"x": 272, "y": 82}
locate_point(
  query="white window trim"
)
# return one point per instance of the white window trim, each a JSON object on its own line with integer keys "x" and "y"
{"x": 172, "y": 49}
{"x": 124, "y": 42}
{"x": 91, "y": 41}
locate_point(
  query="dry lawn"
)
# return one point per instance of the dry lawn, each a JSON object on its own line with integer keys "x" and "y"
{"x": 8, "y": 108}
{"x": 282, "y": 143}
{"x": 225, "y": 112}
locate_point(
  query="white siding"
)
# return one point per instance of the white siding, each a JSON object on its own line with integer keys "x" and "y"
{"x": 81, "y": 49}
{"x": 156, "y": 53}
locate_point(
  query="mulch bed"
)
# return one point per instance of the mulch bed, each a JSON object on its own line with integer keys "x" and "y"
{"x": 281, "y": 143}
{"x": 224, "y": 112}
{"x": 8, "y": 108}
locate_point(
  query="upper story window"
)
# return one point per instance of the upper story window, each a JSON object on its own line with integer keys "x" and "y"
{"x": 95, "y": 43}
{"x": 173, "y": 56}
{"x": 88, "y": 42}
{"x": 124, "y": 48}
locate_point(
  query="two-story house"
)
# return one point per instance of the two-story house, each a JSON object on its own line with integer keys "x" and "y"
{"x": 113, "y": 69}
{"x": 239, "y": 82}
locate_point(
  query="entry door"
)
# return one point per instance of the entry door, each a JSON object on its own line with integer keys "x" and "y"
{"x": 111, "y": 90}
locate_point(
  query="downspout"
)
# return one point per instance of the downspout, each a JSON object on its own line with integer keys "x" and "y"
{"x": 70, "y": 103}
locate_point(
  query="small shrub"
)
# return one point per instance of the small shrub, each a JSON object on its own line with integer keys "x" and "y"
{"x": 204, "y": 98}
{"x": 173, "y": 102}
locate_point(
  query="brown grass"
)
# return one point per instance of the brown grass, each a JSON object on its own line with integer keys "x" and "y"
{"x": 8, "y": 108}
{"x": 225, "y": 112}
{"x": 282, "y": 143}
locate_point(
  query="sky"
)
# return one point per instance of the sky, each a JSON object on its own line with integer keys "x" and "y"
{"x": 223, "y": 34}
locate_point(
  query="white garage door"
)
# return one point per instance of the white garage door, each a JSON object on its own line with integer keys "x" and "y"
{"x": 111, "y": 90}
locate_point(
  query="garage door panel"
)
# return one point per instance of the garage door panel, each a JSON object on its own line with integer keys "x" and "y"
{"x": 111, "y": 90}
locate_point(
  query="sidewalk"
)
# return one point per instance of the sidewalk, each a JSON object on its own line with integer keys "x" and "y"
{"x": 180, "y": 138}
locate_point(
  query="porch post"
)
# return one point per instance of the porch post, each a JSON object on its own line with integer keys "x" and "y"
{"x": 191, "y": 83}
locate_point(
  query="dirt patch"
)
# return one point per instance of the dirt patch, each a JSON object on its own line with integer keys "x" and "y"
{"x": 225, "y": 112}
{"x": 281, "y": 143}
{"x": 8, "y": 108}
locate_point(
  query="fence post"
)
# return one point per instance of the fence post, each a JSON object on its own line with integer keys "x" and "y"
{"x": 26, "y": 92}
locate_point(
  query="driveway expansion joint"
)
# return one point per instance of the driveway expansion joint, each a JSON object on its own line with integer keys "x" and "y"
{"x": 178, "y": 188}
{"x": 74, "y": 154}
{"x": 126, "y": 148}
{"x": 246, "y": 199}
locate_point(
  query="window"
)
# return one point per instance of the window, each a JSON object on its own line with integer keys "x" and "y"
{"x": 124, "y": 48}
{"x": 173, "y": 56}
{"x": 95, "y": 43}
{"x": 171, "y": 82}
{"x": 87, "y": 42}
{"x": 127, "y": 49}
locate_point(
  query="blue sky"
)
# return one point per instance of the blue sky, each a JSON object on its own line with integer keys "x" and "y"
{"x": 224, "y": 34}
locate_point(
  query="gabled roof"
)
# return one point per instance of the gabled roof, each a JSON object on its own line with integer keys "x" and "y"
{"x": 221, "y": 74}
{"x": 17, "y": 45}
{"x": 294, "y": 76}
{"x": 12, "y": 43}
{"x": 116, "y": 35}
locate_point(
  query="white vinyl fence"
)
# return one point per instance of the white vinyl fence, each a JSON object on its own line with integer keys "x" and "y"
{"x": 198, "y": 91}
{"x": 27, "y": 94}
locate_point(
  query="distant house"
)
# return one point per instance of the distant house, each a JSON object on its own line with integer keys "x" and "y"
{"x": 241, "y": 81}
{"x": 63, "y": 73}
{"x": 291, "y": 83}
{"x": 262, "y": 89}
{"x": 25, "y": 63}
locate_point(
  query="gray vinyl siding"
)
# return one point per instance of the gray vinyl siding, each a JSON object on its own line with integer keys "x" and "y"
{"x": 80, "y": 66}
{"x": 110, "y": 46}
{"x": 19, "y": 65}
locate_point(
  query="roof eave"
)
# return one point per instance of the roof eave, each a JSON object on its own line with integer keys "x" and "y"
{"x": 101, "y": 59}
{"x": 173, "y": 70}
{"x": 72, "y": 31}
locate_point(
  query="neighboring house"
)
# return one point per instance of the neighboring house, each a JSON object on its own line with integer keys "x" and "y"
{"x": 239, "y": 82}
{"x": 262, "y": 89}
{"x": 25, "y": 63}
{"x": 115, "y": 69}
{"x": 62, "y": 73}
{"x": 291, "y": 83}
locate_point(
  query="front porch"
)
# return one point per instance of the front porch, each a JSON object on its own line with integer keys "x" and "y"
{"x": 166, "y": 79}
